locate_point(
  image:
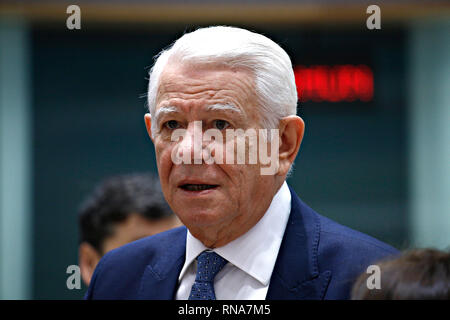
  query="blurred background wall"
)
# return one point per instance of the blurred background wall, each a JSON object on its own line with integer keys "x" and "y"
{"x": 72, "y": 106}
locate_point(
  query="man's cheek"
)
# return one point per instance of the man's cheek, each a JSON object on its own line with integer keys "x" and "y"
{"x": 164, "y": 167}
{"x": 163, "y": 154}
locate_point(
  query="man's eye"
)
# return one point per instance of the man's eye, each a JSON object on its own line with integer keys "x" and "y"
{"x": 220, "y": 124}
{"x": 172, "y": 124}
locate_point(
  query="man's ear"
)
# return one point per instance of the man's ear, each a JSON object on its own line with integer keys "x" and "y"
{"x": 292, "y": 129}
{"x": 148, "y": 124}
{"x": 88, "y": 258}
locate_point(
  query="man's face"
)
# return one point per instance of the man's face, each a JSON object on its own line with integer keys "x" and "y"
{"x": 217, "y": 202}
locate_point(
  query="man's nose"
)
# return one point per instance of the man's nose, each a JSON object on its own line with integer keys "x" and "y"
{"x": 191, "y": 145}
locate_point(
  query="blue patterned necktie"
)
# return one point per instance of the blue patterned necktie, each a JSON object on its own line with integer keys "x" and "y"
{"x": 209, "y": 264}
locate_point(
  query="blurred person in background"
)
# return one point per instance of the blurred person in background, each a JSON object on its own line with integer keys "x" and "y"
{"x": 120, "y": 210}
{"x": 420, "y": 274}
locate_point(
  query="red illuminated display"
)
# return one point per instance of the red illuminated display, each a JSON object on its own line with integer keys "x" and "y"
{"x": 333, "y": 84}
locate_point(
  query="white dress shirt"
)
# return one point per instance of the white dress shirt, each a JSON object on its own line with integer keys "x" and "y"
{"x": 251, "y": 257}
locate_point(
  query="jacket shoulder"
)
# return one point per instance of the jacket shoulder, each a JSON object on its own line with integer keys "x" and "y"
{"x": 146, "y": 249}
{"x": 339, "y": 250}
{"x": 119, "y": 272}
{"x": 332, "y": 231}
{"x": 347, "y": 253}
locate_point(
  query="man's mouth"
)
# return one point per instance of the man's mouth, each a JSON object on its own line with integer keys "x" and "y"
{"x": 197, "y": 187}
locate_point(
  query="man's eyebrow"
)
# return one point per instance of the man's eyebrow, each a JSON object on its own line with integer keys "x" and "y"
{"x": 164, "y": 110}
{"x": 223, "y": 107}
{"x": 215, "y": 107}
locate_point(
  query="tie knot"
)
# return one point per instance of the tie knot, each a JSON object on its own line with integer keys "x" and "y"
{"x": 209, "y": 264}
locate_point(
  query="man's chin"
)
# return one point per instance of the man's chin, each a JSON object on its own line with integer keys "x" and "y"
{"x": 200, "y": 217}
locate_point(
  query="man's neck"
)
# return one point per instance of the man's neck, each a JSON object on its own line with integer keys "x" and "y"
{"x": 217, "y": 237}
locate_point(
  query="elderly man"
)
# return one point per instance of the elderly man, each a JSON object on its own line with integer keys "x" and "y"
{"x": 248, "y": 234}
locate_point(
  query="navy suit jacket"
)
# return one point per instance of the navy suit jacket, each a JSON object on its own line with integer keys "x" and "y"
{"x": 318, "y": 259}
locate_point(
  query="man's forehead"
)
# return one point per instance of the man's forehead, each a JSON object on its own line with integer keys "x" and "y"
{"x": 200, "y": 70}
{"x": 204, "y": 84}
{"x": 189, "y": 76}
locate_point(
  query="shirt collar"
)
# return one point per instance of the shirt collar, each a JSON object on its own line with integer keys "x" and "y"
{"x": 256, "y": 251}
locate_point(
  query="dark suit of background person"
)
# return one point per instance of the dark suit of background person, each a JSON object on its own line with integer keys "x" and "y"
{"x": 310, "y": 256}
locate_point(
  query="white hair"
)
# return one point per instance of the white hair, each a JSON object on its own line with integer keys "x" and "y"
{"x": 234, "y": 47}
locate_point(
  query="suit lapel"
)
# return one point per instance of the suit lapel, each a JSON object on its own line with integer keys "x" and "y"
{"x": 296, "y": 274}
{"x": 160, "y": 279}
